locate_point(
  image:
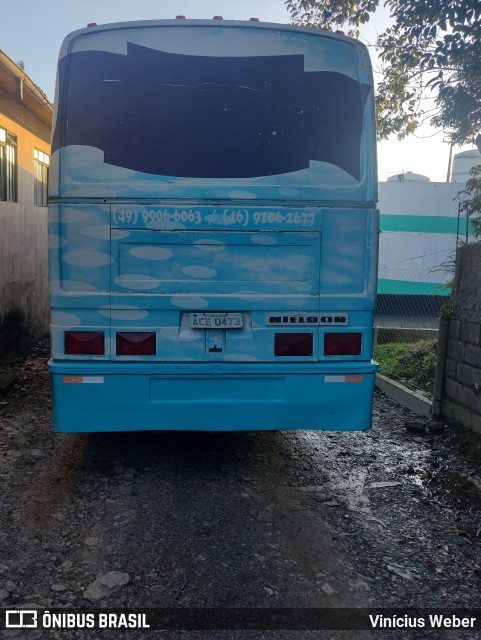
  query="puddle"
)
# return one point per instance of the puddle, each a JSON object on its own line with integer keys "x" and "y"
{"x": 456, "y": 490}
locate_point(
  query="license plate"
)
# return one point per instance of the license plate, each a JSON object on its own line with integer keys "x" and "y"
{"x": 211, "y": 320}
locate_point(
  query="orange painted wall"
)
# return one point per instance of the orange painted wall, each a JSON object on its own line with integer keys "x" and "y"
{"x": 24, "y": 310}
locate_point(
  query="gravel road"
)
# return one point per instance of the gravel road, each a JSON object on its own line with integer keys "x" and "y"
{"x": 387, "y": 518}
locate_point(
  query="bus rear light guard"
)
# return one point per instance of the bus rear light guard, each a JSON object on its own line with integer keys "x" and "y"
{"x": 342, "y": 344}
{"x": 131, "y": 343}
{"x": 84, "y": 343}
{"x": 293, "y": 344}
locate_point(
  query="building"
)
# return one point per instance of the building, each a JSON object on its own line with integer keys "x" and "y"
{"x": 25, "y": 125}
{"x": 463, "y": 162}
{"x": 421, "y": 227}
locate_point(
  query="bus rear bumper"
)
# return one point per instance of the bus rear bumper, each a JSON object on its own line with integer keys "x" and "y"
{"x": 211, "y": 397}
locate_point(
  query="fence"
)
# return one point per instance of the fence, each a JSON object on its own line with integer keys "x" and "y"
{"x": 421, "y": 230}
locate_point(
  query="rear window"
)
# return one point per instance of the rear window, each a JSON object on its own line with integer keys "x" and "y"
{"x": 293, "y": 115}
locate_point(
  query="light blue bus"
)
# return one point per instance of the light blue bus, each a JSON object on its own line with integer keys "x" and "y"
{"x": 213, "y": 228}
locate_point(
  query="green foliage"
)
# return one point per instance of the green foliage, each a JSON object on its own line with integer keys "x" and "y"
{"x": 446, "y": 310}
{"x": 432, "y": 49}
{"x": 329, "y": 15}
{"x": 411, "y": 363}
{"x": 471, "y": 204}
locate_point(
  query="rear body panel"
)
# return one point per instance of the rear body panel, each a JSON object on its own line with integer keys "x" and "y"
{"x": 211, "y": 397}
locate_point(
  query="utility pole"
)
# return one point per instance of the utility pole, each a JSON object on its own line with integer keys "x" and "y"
{"x": 450, "y": 161}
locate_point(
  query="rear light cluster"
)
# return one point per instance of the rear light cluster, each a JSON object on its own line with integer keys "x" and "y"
{"x": 135, "y": 344}
{"x": 143, "y": 343}
{"x": 293, "y": 344}
{"x": 92, "y": 343}
{"x": 301, "y": 344}
{"x": 342, "y": 344}
{"x": 84, "y": 343}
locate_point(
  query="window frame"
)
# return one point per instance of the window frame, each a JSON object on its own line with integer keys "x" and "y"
{"x": 41, "y": 163}
{"x": 8, "y": 166}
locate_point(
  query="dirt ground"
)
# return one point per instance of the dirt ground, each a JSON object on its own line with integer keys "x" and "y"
{"x": 291, "y": 519}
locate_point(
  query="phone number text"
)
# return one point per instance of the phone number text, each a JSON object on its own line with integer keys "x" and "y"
{"x": 223, "y": 218}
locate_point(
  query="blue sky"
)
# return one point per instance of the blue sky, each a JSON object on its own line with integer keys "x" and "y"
{"x": 33, "y": 31}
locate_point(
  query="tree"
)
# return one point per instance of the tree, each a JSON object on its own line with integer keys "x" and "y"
{"x": 471, "y": 204}
{"x": 432, "y": 49}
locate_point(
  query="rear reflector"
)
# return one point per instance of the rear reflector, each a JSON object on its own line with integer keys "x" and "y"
{"x": 342, "y": 344}
{"x": 84, "y": 343}
{"x": 293, "y": 344}
{"x": 136, "y": 344}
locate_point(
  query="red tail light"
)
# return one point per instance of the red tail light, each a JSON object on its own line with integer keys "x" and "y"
{"x": 136, "y": 344}
{"x": 342, "y": 344}
{"x": 293, "y": 344}
{"x": 84, "y": 343}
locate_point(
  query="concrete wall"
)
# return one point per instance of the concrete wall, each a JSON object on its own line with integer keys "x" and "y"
{"x": 24, "y": 310}
{"x": 461, "y": 402}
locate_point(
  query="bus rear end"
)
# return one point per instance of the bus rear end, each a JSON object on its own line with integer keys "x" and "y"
{"x": 213, "y": 229}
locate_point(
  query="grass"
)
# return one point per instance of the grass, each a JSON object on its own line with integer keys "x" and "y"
{"x": 411, "y": 363}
